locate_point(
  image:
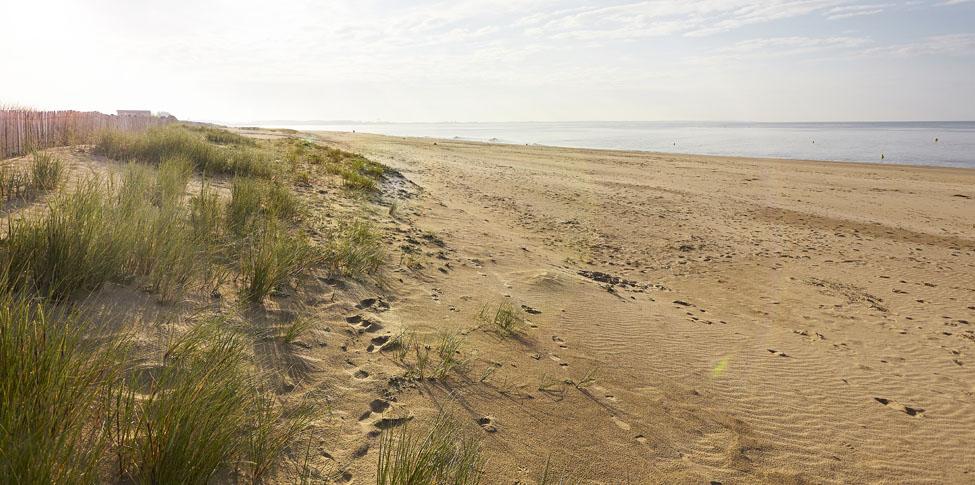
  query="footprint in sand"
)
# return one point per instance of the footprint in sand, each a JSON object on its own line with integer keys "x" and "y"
{"x": 530, "y": 310}
{"x": 377, "y": 343}
{"x": 377, "y": 305}
{"x": 910, "y": 411}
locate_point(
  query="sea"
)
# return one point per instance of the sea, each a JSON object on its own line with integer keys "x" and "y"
{"x": 948, "y": 144}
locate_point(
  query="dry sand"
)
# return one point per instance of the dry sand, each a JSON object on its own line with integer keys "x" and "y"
{"x": 778, "y": 321}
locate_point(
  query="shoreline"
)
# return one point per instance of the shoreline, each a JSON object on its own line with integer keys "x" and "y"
{"x": 625, "y": 152}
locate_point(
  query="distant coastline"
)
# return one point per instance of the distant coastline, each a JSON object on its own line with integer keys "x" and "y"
{"x": 937, "y": 143}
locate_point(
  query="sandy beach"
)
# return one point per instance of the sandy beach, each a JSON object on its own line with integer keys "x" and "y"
{"x": 691, "y": 319}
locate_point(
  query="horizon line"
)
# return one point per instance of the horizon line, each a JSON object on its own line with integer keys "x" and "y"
{"x": 376, "y": 122}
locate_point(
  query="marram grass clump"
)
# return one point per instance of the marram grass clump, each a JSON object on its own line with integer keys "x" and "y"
{"x": 440, "y": 453}
{"x": 175, "y": 141}
{"x": 271, "y": 258}
{"x": 56, "y": 408}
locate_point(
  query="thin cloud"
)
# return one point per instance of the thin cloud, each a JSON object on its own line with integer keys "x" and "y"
{"x": 848, "y": 11}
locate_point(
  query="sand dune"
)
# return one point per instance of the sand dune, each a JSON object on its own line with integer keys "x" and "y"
{"x": 692, "y": 319}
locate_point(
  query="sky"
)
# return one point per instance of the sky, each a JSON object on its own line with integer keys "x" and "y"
{"x": 498, "y": 60}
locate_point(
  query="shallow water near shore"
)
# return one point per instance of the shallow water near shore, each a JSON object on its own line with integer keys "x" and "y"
{"x": 950, "y": 144}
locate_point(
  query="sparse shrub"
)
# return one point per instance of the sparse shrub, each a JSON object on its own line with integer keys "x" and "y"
{"x": 357, "y": 249}
{"x": 442, "y": 453}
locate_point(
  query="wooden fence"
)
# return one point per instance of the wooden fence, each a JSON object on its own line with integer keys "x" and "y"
{"x": 24, "y": 130}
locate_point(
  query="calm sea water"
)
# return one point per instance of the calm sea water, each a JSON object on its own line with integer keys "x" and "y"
{"x": 916, "y": 143}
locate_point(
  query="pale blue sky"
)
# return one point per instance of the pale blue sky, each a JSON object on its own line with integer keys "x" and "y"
{"x": 501, "y": 60}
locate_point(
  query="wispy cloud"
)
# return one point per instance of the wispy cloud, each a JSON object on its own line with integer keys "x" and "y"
{"x": 666, "y": 17}
{"x": 953, "y": 45}
{"x": 848, "y": 11}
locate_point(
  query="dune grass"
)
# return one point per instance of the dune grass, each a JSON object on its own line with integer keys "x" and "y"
{"x": 45, "y": 173}
{"x": 224, "y": 137}
{"x": 270, "y": 259}
{"x": 77, "y": 409}
{"x": 75, "y": 247}
{"x": 175, "y": 141}
{"x": 246, "y": 204}
{"x": 357, "y": 249}
{"x": 358, "y": 173}
{"x": 441, "y": 453}
{"x": 273, "y": 429}
{"x": 54, "y": 396}
{"x": 253, "y": 200}
{"x": 137, "y": 226}
{"x": 425, "y": 358}
{"x": 14, "y": 184}
{"x": 506, "y": 320}
{"x": 188, "y": 424}
{"x": 206, "y": 214}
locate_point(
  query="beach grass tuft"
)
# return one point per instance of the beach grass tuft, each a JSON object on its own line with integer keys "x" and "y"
{"x": 54, "y": 417}
{"x": 357, "y": 249}
{"x": 190, "y": 421}
{"x": 270, "y": 259}
{"x": 441, "y": 453}
{"x": 505, "y": 319}
{"x": 46, "y": 171}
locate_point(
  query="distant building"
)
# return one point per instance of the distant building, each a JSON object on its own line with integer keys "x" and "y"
{"x": 134, "y": 113}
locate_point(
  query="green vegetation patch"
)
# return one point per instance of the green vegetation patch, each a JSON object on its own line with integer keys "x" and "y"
{"x": 174, "y": 141}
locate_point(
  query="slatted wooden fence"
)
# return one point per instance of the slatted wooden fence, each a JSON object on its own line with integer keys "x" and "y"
{"x": 25, "y": 130}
